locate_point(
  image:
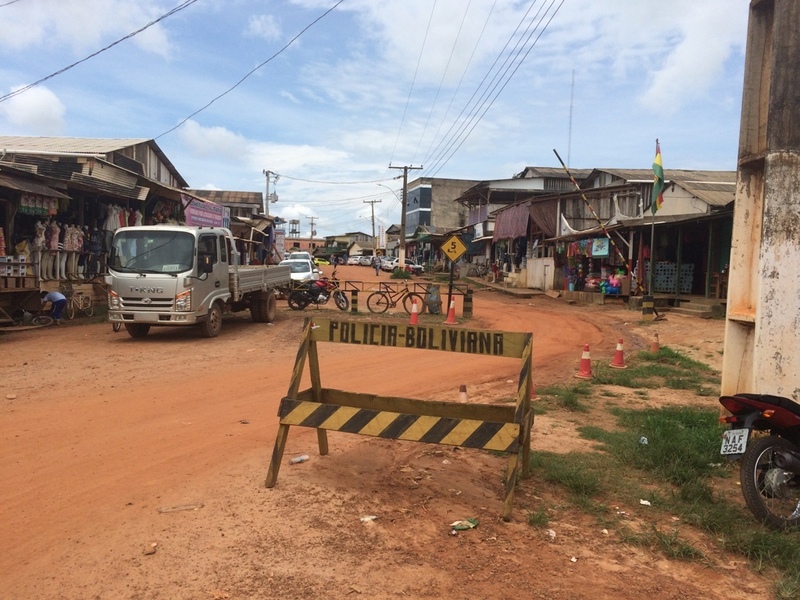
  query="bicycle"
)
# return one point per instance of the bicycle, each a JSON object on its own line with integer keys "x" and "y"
{"x": 478, "y": 270}
{"x": 76, "y": 301}
{"x": 383, "y": 299}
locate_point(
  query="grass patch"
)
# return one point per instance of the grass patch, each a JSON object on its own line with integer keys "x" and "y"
{"x": 567, "y": 397}
{"x": 540, "y": 518}
{"x": 678, "y": 469}
{"x": 663, "y": 369}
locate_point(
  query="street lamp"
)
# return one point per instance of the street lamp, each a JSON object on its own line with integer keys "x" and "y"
{"x": 391, "y": 190}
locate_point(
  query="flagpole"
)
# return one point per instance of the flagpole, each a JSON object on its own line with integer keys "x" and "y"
{"x": 658, "y": 188}
{"x": 652, "y": 279}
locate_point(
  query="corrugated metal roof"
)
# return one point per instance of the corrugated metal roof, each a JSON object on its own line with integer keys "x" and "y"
{"x": 230, "y": 197}
{"x": 555, "y": 172}
{"x": 16, "y": 143}
{"x": 676, "y": 175}
{"x": 30, "y": 187}
{"x": 714, "y": 194}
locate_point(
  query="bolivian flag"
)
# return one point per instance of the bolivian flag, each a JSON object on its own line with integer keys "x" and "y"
{"x": 658, "y": 181}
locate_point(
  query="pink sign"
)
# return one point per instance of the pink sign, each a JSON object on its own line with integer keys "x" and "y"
{"x": 200, "y": 213}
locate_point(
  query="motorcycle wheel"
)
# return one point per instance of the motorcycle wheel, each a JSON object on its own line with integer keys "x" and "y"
{"x": 771, "y": 494}
{"x": 297, "y": 301}
{"x": 341, "y": 300}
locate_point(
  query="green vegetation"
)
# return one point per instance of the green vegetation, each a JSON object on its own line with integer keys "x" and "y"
{"x": 398, "y": 274}
{"x": 669, "y": 456}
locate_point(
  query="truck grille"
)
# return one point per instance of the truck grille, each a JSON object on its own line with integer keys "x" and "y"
{"x": 154, "y": 304}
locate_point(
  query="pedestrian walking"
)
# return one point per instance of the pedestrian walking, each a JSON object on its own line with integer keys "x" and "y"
{"x": 376, "y": 262}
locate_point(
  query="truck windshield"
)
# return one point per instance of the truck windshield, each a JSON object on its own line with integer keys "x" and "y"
{"x": 152, "y": 252}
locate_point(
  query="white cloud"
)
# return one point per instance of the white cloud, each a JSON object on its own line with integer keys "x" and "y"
{"x": 38, "y": 111}
{"x": 264, "y": 26}
{"x": 82, "y": 26}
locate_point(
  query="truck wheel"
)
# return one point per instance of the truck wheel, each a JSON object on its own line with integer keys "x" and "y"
{"x": 137, "y": 330}
{"x": 257, "y": 310}
{"x": 213, "y": 324}
{"x": 269, "y": 307}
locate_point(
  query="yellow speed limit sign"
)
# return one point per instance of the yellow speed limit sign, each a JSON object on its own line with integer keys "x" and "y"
{"x": 454, "y": 248}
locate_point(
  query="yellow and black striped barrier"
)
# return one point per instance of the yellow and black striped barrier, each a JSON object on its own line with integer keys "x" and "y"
{"x": 503, "y": 428}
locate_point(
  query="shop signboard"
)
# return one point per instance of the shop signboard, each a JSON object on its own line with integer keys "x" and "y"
{"x": 200, "y": 213}
{"x": 600, "y": 247}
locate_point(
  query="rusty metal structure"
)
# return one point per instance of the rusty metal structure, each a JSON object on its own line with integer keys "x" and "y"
{"x": 762, "y": 340}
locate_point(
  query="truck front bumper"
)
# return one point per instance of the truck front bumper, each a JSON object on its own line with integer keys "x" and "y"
{"x": 155, "y": 318}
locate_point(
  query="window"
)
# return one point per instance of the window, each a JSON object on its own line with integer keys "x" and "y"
{"x": 207, "y": 246}
{"x": 223, "y": 248}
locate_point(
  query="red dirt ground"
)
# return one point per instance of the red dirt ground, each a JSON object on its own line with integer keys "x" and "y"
{"x": 135, "y": 469}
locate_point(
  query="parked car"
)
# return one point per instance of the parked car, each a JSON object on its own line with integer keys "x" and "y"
{"x": 353, "y": 260}
{"x": 414, "y": 268}
{"x": 389, "y": 263}
{"x": 300, "y": 255}
{"x": 302, "y": 269}
{"x": 322, "y": 261}
{"x": 365, "y": 261}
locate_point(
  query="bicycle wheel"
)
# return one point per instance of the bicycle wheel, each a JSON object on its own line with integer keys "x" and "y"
{"x": 69, "y": 310}
{"x": 42, "y": 320}
{"x": 89, "y": 309}
{"x": 408, "y": 302}
{"x": 378, "y": 302}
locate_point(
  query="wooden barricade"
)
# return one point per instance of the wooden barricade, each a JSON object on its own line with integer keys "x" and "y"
{"x": 504, "y": 428}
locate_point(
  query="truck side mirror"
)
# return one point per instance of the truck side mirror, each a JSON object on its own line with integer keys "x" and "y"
{"x": 205, "y": 264}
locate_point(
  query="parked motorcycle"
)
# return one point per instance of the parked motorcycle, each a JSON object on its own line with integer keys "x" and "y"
{"x": 770, "y": 467}
{"x": 318, "y": 292}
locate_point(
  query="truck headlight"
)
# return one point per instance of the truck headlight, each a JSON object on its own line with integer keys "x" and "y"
{"x": 113, "y": 300}
{"x": 183, "y": 301}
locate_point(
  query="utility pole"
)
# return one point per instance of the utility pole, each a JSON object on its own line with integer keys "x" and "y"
{"x": 402, "y": 254}
{"x": 372, "y": 204}
{"x": 313, "y": 231}
{"x": 266, "y": 198}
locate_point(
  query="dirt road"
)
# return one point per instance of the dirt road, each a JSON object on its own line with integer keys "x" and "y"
{"x": 135, "y": 469}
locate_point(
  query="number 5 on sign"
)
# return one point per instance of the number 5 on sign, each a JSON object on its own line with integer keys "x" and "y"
{"x": 453, "y": 247}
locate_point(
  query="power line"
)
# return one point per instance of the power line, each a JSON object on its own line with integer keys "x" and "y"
{"x": 253, "y": 70}
{"x": 23, "y": 89}
{"x": 413, "y": 81}
{"x": 504, "y": 83}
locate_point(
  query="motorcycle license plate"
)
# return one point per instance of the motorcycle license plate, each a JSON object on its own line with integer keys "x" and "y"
{"x": 734, "y": 441}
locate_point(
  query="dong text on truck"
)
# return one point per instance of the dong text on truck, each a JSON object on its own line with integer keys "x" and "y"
{"x": 171, "y": 275}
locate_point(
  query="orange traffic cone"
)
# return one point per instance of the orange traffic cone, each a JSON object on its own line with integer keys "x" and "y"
{"x": 451, "y": 314}
{"x": 655, "y": 346}
{"x": 585, "y": 369}
{"x": 414, "y": 313}
{"x": 619, "y": 360}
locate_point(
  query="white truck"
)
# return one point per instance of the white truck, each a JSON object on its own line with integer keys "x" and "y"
{"x": 164, "y": 275}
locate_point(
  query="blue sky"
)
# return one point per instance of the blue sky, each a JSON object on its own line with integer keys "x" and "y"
{"x": 467, "y": 89}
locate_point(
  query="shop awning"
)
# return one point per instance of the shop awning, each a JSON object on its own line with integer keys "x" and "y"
{"x": 511, "y": 222}
{"x": 259, "y": 224}
{"x": 30, "y": 187}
